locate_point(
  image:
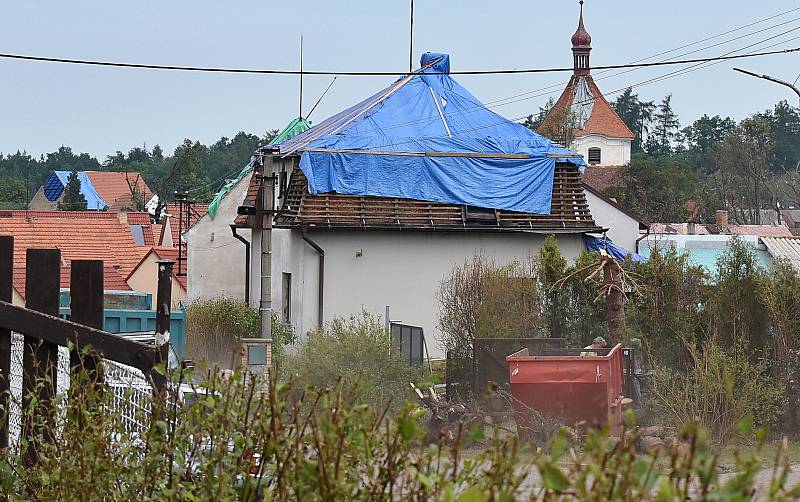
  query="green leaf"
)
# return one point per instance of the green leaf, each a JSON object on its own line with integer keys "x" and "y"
{"x": 473, "y": 494}
{"x": 745, "y": 425}
{"x": 552, "y": 477}
{"x": 559, "y": 444}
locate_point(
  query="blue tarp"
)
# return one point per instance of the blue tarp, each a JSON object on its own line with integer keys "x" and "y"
{"x": 395, "y": 144}
{"x": 595, "y": 244}
{"x": 55, "y": 185}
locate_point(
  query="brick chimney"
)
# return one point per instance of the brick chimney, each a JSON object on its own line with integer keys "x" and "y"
{"x": 122, "y": 217}
{"x": 721, "y": 216}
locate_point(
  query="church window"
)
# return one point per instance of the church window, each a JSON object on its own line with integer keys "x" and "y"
{"x": 594, "y": 155}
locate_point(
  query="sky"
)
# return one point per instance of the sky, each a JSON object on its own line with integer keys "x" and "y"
{"x": 102, "y": 110}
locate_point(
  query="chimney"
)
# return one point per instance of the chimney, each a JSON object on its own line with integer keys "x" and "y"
{"x": 722, "y": 218}
{"x": 690, "y": 228}
{"x": 122, "y": 217}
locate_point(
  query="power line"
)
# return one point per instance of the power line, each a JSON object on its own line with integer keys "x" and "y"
{"x": 374, "y": 73}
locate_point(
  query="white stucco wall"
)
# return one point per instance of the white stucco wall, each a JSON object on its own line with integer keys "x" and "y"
{"x": 622, "y": 229}
{"x": 399, "y": 269}
{"x": 216, "y": 260}
{"x": 613, "y": 151}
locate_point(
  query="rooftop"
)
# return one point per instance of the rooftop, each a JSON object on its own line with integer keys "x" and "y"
{"x": 78, "y": 237}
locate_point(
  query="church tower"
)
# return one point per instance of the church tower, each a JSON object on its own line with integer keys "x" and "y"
{"x": 583, "y": 118}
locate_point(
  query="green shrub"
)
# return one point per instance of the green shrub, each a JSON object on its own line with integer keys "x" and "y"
{"x": 215, "y": 327}
{"x": 719, "y": 388}
{"x": 355, "y": 350}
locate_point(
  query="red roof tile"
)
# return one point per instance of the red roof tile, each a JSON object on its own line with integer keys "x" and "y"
{"x": 603, "y": 178}
{"x": 603, "y": 120}
{"x": 115, "y": 187}
{"x": 89, "y": 238}
{"x": 249, "y": 198}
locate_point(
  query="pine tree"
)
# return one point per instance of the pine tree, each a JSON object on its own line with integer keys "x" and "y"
{"x": 665, "y": 130}
{"x": 636, "y": 114}
{"x": 73, "y": 199}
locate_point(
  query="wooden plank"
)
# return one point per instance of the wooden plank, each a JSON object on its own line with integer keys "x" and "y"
{"x": 86, "y": 307}
{"x": 60, "y": 331}
{"x": 6, "y": 294}
{"x": 427, "y": 154}
{"x": 39, "y": 356}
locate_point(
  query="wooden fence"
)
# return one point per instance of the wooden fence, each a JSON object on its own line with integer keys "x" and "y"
{"x": 44, "y": 332}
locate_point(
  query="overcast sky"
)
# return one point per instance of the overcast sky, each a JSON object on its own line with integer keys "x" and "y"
{"x": 100, "y": 110}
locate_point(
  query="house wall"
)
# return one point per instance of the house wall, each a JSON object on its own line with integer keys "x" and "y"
{"x": 622, "y": 229}
{"x": 398, "y": 269}
{"x": 145, "y": 279}
{"x": 613, "y": 151}
{"x": 215, "y": 259}
{"x": 40, "y": 203}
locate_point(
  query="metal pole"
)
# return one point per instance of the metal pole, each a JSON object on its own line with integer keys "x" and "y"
{"x": 301, "y": 75}
{"x": 411, "y": 40}
{"x": 771, "y": 79}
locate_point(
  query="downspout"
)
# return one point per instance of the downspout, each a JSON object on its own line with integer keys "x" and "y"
{"x": 246, "y": 262}
{"x": 647, "y": 232}
{"x": 321, "y": 285}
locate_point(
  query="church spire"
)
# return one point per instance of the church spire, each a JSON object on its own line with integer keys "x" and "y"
{"x": 581, "y": 46}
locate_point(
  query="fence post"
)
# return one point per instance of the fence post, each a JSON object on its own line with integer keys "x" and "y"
{"x": 163, "y": 310}
{"x": 40, "y": 358}
{"x": 86, "y": 307}
{"x": 6, "y": 292}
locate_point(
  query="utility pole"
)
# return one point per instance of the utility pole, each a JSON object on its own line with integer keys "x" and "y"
{"x": 265, "y": 209}
{"x": 771, "y": 79}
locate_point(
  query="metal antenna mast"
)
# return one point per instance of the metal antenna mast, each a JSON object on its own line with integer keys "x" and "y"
{"x": 301, "y": 75}
{"x": 411, "y": 40}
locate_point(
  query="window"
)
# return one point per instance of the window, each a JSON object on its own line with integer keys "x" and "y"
{"x": 286, "y": 312}
{"x": 594, "y": 155}
{"x": 137, "y": 232}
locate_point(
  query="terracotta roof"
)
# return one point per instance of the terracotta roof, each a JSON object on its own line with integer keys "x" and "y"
{"x": 114, "y": 187}
{"x": 89, "y": 238}
{"x": 603, "y": 120}
{"x": 569, "y": 212}
{"x": 713, "y": 229}
{"x": 603, "y": 178}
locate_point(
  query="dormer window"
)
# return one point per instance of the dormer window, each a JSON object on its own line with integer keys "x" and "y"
{"x": 594, "y": 155}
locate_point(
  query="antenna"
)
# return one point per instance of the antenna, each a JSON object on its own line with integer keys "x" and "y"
{"x": 301, "y": 75}
{"x": 411, "y": 40}
{"x": 320, "y": 98}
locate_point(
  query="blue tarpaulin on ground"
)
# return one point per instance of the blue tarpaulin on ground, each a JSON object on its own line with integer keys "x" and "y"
{"x": 595, "y": 244}
{"x": 55, "y": 185}
{"x": 426, "y": 137}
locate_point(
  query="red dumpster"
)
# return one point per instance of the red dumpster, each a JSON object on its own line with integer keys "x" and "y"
{"x": 574, "y": 384}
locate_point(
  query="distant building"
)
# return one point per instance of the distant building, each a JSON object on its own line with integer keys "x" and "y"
{"x": 127, "y": 243}
{"x": 103, "y": 190}
{"x": 583, "y": 114}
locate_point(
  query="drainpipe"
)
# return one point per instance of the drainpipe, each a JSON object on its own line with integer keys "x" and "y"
{"x": 321, "y": 285}
{"x": 246, "y": 262}
{"x": 642, "y": 237}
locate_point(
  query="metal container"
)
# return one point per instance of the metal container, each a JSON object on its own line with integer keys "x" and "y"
{"x": 575, "y": 385}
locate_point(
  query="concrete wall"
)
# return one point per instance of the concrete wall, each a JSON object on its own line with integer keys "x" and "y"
{"x": 372, "y": 269}
{"x": 40, "y": 203}
{"x": 216, "y": 260}
{"x": 613, "y": 151}
{"x": 622, "y": 229}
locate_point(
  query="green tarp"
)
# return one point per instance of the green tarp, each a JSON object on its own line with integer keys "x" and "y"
{"x": 294, "y": 128}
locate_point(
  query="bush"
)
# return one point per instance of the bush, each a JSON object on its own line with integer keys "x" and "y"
{"x": 719, "y": 389}
{"x": 358, "y": 351}
{"x": 215, "y": 328}
{"x": 234, "y": 442}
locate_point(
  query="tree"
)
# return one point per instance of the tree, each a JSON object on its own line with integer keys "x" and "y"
{"x": 12, "y": 193}
{"x": 784, "y": 126}
{"x": 703, "y": 135}
{"x": 657, "y": 189}
{"x": 73, "y": 199}
{"x": 742, "y": 170}
{"x": 534, "y": 122}
{"x": 665, "y": 129}
{"x": 636, "y": 114}
{"x": 559, "y": 126}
